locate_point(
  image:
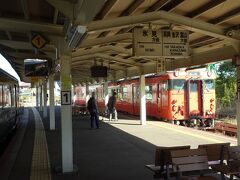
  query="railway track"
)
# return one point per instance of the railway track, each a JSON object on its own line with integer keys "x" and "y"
{"x": 226, "y": 129}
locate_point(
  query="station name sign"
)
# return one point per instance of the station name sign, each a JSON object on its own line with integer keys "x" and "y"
{"x": 163, "y": 43}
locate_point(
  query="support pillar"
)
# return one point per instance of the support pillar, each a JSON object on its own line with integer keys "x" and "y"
{"x": 142, "y": 101}
{"x": 66, "y": 114}
{"x": 45, "y": 99}
{"x": 51, "y": 102}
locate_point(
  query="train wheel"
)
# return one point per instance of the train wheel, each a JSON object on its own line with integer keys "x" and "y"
{"x": 183, "y": 123}
{"x": 176, "y": 122}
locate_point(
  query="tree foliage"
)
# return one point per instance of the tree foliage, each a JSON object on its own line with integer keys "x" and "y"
{"x": 226, "y": 83}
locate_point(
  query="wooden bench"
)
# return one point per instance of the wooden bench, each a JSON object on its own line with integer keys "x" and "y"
{"x": 161, "y": 167}
{"x": 191, "y": 161}
{"x": 216, "y": 152}
{"x": 232, "y": 168}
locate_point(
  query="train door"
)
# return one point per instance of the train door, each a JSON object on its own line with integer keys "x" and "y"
{"x": 159, "y": 99}
{"x": 195, "y": 98}
{"x": 135, "y": 100}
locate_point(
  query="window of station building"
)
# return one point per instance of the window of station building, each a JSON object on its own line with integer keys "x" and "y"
{"x": 125, "y": 93}
{"x": 148, "y": 92}
{"x": 176, "y": 84}
{"x": 209, "y": 84}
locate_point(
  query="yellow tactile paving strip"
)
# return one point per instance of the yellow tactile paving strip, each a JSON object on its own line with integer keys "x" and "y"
{"x": 40, "y": 169}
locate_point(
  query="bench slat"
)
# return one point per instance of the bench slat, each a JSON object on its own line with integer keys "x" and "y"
{"x": 192, "y": 167}
{"x": 189, "y": 152}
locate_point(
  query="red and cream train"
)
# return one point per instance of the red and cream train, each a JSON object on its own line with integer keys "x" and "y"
{"x": 182, "y": 96}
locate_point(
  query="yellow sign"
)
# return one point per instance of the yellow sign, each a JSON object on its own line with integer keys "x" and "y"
{"x": 65, "y": 82}
{"x": 39, "y": 41}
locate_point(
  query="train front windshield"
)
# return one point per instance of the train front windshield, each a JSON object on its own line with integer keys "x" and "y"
{"x": 209, "y": 84}
{"x": 176, "y": 84}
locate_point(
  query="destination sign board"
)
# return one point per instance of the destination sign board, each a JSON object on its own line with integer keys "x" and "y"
{"x": 160, "y": 43}
{"x": 175, "y": 43}
{"x": 147, "y": 42}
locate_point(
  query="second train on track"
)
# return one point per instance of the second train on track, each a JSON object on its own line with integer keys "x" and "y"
{"x": 182, "y": 97}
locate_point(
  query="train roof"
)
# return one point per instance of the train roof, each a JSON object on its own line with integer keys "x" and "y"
{"x": 6, "y": 77}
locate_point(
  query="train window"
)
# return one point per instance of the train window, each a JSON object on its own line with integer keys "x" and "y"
{"x": 125, "y": 93}
{"x": 1, "y": 96}
{"x": 136, "y": 92}
{"x": 119, "y": 93}
{"x": 159, "y": 90}
{"x": 209, "y": 84}
{"x": 13, "y": 96}
{"x": 148, "y": 91}
{"x": 176, "y": 84}
{"x": 193, "y": 86}
{"x": 165, "y": 85}
{"x": 6, "y": 96}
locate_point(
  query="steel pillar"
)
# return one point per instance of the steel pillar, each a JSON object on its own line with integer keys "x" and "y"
{"x": 66, "y": 114}
{"x": 142, "y": 101}
{"x": 51, "y": 103}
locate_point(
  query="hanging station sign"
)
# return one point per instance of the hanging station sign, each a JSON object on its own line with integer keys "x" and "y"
{"x": 147, "y": 42}
{"x": 160, "y": 43}
{"x": 175, "y": 43}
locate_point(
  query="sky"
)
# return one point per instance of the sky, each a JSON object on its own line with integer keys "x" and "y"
{"x": 6, "y": 66}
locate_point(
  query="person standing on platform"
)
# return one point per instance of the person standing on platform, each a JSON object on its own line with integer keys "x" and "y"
{"x": 93, "y": 110}
{"x": 111, "y": 106}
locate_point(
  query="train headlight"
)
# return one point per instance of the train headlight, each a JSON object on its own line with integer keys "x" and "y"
{"x": 176, "y": 73}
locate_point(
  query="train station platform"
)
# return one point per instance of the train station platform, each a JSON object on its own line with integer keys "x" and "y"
{"x": 118, "y": 150}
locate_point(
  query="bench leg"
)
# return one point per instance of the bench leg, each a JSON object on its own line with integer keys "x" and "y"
{"x": 222, "y": 176}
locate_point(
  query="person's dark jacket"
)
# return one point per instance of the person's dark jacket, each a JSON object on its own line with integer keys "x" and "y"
{"x": 92, "y": 105}
{"x": 111, "y": 102}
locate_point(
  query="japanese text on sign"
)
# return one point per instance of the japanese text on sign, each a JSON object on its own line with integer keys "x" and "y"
{"x": 147, "y": 42}
{"x": 160, "y": 43}
{"x": 175, "y": 43}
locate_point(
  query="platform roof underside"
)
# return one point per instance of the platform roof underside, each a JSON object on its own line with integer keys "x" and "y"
{"x": 213, "y": 25}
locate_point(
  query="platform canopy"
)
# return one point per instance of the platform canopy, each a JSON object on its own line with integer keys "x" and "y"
{"x": 39, "y": 29}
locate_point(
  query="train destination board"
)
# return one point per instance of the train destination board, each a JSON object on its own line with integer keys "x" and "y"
{"x": 160, "y": 43}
